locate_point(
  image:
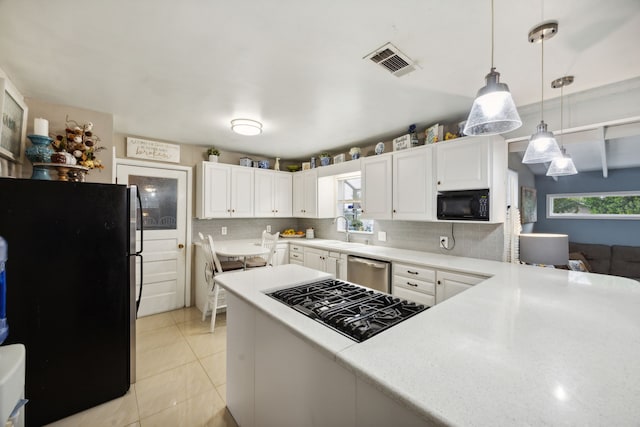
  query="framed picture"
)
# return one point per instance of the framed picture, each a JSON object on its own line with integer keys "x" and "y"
{"x": 528, "y": 205}
{"x": 338, "y": 159}
{"x": 14, "y": 122}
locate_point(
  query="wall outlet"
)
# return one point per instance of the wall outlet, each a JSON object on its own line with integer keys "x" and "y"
{"x": 224, "y": 231}
{"x": 444, "y": 242}
{"x": 382, "y": 236}
{"x": 268, "y": 229}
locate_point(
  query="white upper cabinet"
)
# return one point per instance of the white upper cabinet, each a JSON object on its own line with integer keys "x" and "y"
{"x": 224, "y": 191}
{"x": 399, "y": 185}
{"x": 377, "y": 187}
{"x": 313, "y": 197}
{"x": 473, "y": 163}
{"x": 413, "y": 191}
{"x": 273, "y": 193}
{"x": 465, "y": 164}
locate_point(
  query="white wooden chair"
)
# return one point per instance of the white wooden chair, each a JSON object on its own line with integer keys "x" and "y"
{"x": 269, "y": 241}
{"x": 214, "y": 267}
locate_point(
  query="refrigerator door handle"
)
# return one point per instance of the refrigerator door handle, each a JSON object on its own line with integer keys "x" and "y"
{"x": 141, "y": 231}
{"x": 140, "y": 293}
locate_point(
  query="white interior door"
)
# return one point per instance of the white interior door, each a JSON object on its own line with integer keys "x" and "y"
{"x": 164, "y": 211}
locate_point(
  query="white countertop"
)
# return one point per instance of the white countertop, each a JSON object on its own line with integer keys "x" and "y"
{"x": 529, "y": 345}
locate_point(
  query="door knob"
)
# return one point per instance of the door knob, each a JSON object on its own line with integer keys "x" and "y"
{"x": 180, "y": 246}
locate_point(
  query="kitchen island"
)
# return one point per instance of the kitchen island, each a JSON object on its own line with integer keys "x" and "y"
{"x": 528, "y": 346}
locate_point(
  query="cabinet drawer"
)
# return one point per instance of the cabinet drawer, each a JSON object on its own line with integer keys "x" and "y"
{"x": 411, "y": 271}
{"x": 295, "y": 256}
{"x": 296, "y": 248}
{"x": 410, "y": 295}
{"x": 415, "y": 284}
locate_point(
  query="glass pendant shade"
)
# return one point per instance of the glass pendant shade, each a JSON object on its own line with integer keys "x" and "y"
{"x": 493, "y": 110}
{"x": 542, "y": 147}
{"x": 562, "y": 166}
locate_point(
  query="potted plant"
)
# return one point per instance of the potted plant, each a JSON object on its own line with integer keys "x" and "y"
{"x": 213, "y": 154}
{"x": 325, "y": 159}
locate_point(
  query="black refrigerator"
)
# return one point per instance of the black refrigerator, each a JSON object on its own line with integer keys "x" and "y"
{"x": 70, "y": 291}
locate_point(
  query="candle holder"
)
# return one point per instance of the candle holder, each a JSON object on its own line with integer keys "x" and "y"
{"x": 39, "y": 152}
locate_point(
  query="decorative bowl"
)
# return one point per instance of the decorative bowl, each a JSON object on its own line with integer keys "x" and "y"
{"x": 293, "y": 168}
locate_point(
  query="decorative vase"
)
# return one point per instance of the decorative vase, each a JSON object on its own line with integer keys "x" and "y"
{"x": 324, "y": 161}
{"x": 276, "y": 166}
{"x": 213, "y": 158}
{"x": 39, "y": 152}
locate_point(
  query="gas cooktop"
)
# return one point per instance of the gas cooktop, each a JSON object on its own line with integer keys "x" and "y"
{"x": 356, "y": 312}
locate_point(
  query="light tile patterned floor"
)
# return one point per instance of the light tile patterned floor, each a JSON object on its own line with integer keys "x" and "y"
{"x": 181, "y": 377}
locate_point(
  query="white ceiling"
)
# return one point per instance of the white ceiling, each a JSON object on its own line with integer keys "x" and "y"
{"x": 180, "y": 71}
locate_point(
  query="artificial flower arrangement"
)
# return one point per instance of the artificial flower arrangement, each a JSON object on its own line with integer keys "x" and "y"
{"x": 79, "y": 144}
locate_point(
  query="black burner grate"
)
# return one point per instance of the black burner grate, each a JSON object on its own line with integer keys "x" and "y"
{"x": 356, "y": 312}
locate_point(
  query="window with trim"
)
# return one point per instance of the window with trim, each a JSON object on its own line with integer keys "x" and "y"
{"x": 349, "y": 190}
{"x": 606, "y": 205}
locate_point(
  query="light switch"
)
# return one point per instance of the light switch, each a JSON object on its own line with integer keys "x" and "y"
{"x": 268, "y": 229}
{"x": 224, "y": 231}
{"x": 382, "y": 236}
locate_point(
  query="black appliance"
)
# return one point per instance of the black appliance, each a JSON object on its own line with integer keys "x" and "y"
{"x": 358, "y": 313}
{"x": 70, "y": 291}
{"x": 472, "y": 205}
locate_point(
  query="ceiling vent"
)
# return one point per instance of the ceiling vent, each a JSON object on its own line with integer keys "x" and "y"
{"x": 392, "y": 59}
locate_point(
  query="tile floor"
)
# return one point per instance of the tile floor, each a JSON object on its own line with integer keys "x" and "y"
{"x": 181, "y": 378}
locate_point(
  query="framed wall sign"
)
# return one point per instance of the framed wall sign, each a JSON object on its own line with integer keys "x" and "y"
{"x": 153, "y": 150}
{"x": 14, "y": 122}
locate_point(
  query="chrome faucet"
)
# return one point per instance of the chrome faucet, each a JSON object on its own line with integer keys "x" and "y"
{"x": 346, "y": 221}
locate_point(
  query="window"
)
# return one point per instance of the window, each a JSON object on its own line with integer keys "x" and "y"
{"x": 609, "y": 205}
{"x": 348, "y": 204}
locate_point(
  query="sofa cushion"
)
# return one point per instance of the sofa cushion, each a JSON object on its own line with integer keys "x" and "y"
{"x": 625, "y": 261}
{"x": 598, "y": 256}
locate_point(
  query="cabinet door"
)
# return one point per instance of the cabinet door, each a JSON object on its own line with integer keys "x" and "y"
{"x": 413, "y": 195}
{"x": 217, "y": 194}
{"x": 242, "y": 192}
{"x": 282, "y": 195}
{"x": 281, "y": 256}
{"x": 463, "y": 165}
{"x": 298, "y": 194}
{"x": 316, "y": 259}
{"x": 376, "y": 187}
{"x": 449, "y": 284}
{"x": 264, "y": 193}
{"x": 310, "y": 194}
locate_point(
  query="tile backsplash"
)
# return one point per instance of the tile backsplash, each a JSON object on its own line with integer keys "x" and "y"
{"x": 484, "y": 241}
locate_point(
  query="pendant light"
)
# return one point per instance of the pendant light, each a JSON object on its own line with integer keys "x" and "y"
{"x": 563, "y": 165}
{"x": 493, "y": 111}
{"x": 542, "y": 147}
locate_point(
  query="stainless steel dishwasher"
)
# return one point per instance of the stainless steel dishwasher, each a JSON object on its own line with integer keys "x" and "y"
{"x": 371, "y": 273}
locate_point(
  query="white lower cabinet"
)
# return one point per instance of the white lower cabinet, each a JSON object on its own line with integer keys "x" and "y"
{"x": 296, "y": 254}
{"x": 316, "y": 258}
{"x": 414, "y": 283}
{"x": 328, "y": 261}
{"x": 276, "y": 378}
{"x": 429, "y": 286}
{"x": 449, "y": 283}
{"x": 281, "y": 256}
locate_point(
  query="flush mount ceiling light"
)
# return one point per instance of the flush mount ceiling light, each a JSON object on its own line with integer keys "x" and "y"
{"x": 542, "y": 145}
{"x": 562, "y": 166}
{"x": 493, "y": 111}
{"x": 246, "y": 127}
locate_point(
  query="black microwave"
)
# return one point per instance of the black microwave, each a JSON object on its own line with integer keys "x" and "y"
{"x": 472, "y": 205}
